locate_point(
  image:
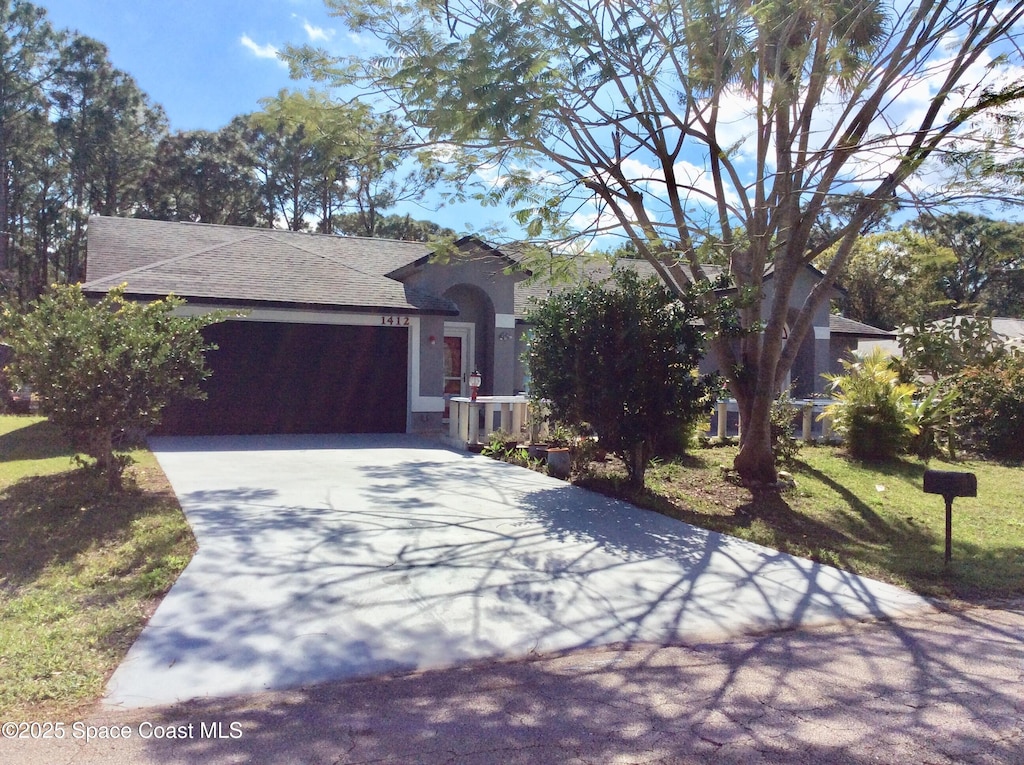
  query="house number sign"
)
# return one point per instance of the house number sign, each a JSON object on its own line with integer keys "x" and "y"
{"x": 394, "y": 321}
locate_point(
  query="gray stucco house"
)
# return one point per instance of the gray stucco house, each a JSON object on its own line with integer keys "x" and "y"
{"x": 345, "y": 334}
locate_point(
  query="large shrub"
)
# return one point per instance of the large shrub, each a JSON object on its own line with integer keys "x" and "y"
{"x": 107, "y": 368}
{"x": 874, "y": 408}
{"x": 940, "y": 349}
{"x": 992, "y": 398}
{"x": 620, "y": 356}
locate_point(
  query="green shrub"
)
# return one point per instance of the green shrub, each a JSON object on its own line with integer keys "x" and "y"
{"x": 621, "y": 357}
{"x": 785, "y": 445}
{"x": 933, "y": 419}
{"x": 874, "y": 409}
{"x": 106, "y": 369}
{"x": 993, "y": 407}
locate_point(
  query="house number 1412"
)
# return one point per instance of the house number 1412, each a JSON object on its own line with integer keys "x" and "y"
{"x": 395, "y": 321}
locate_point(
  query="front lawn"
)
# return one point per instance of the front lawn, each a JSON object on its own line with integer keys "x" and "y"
{"x": 81, "y": 570}
{"x": 871, "y": 519}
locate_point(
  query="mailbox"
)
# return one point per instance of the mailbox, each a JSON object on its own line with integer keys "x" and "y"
{"x": 950, "y": 484}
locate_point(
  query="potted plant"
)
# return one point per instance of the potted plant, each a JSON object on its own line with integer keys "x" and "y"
{"x": 559, "y": 456}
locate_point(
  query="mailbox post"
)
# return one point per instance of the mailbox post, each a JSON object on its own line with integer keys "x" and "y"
{"x": 950, "y": 485}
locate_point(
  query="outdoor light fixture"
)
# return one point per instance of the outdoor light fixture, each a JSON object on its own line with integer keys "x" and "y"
{"x": 474, "y": 385}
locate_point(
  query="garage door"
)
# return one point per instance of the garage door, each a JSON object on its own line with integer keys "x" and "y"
{"x": 299, "y": 378}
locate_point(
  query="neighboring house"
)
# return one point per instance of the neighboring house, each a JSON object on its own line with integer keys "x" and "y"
{"x": 1009, "y": 332}
{"x": 848, "y": 335}
{"x": 345, "y": 334}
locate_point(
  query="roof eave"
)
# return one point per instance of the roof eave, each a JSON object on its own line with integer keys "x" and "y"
{"x": 249, "y": 303}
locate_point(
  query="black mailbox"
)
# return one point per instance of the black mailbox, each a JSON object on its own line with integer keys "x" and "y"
{"x": 950, "y": 484}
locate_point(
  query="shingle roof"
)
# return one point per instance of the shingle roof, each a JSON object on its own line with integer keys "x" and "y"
{"x": 1003, "y": 328}
{"x": 596, "y": 269}
{"x": 600, "y": 269}
{"x": 840, "y": 325}
{"x": 252, "y": 266}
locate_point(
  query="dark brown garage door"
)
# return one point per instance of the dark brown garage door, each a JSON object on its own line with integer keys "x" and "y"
{"x": 299, "y": 378}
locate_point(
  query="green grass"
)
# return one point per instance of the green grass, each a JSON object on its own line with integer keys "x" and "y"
{"x": 81, "y": 570}
{"x": 870, "y": 519}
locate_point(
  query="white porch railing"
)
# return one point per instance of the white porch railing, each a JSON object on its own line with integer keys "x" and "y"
{"x": 471, "y": 423}
{"x": 808, "y": 411}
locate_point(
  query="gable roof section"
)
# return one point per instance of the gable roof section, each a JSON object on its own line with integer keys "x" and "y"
{"x": 598, "y": 269}
{"x": 840, "y": 325}
{"x": 467, "y": 248}
{"x": 246, "y": 266}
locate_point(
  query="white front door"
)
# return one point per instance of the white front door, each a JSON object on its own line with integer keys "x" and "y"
{"x": 458, "y": 360}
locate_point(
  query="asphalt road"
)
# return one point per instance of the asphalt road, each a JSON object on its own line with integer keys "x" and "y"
{"x": 932, "y": 688}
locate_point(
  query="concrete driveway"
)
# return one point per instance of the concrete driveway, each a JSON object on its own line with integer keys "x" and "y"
{"x": 332, "y": 557}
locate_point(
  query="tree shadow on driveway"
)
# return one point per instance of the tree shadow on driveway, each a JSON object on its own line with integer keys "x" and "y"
{"x": 937, "y": 688}
{"x": 434, "y": 559}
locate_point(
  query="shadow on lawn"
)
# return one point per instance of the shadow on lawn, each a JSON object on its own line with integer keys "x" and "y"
{"x": 874, "y": 527}
{"x": 38, "y": 441}
{"x": 849, "y": 537}
{"x": 51, "y": 520}
{"x": 744, "y": 510}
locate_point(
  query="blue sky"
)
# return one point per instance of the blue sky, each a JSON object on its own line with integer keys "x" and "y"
{"x": 204, "y": 61}
{"x": 207, "y": 61}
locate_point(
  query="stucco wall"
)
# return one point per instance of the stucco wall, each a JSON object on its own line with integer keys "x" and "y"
{"x": 485, "y": 296}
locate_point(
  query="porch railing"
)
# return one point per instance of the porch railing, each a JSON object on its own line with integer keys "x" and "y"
{"x": 725, "y": 422}
{"x": 471, "y": 423}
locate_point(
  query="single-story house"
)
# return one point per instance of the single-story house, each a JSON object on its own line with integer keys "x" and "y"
{"x": 831, "y": 340}
{"x": 344, "y": 334}
{"x": 847, "y": 335}
{"x": 1008, "y": 331}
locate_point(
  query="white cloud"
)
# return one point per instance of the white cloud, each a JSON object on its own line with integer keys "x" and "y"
{"x": 317, "y": 34}
{"x": 313, "y": 33}
{"x": 693, "y": 182}
{"x": 496, "y": 176}
{"x": 267, "y": 51}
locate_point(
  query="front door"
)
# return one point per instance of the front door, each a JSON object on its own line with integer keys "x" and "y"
{"x": 458, "y": 360}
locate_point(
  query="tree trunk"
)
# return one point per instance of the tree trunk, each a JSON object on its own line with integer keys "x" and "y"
{"x": 755, "y": 462}
{"x": 5, "y": 216}
{"x": 101, "y": 448}
{"x": 636, "y": 465}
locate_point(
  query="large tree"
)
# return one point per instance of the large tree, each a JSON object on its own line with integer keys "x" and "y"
{"x": 76, "y": 137}
{"x": 890, "y": 279}
{"x": 338, "y": 166}
{"x": 203, "y": 177}
{"x": 767, "y": 132}
{"x": 105, "y": 135}
{"x": 28, "y": 61}
{"x": 986, "y": 271}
